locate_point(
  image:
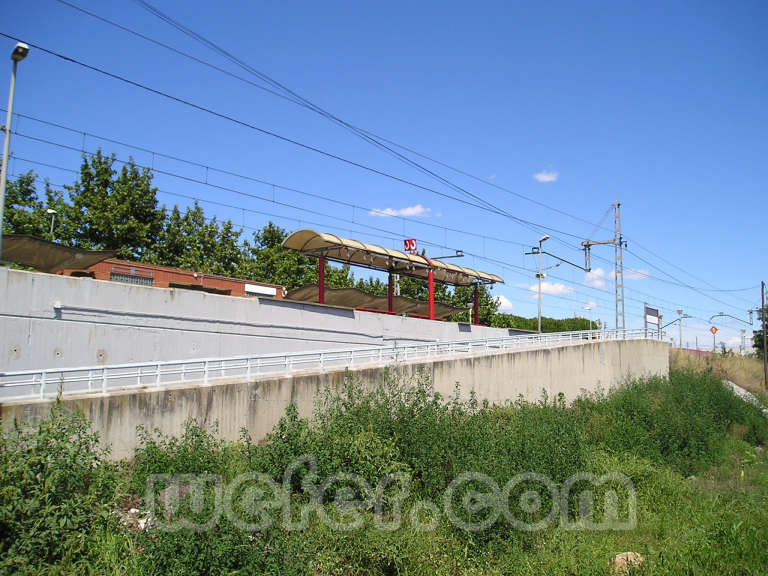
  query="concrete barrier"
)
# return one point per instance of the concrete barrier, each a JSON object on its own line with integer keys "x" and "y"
{"x": 257, "y": 404}
{"x": 50, "y": 321}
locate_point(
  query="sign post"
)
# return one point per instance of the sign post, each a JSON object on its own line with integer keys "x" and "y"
{"x": 652, "y": 316}
{"x": 714, "y": 331}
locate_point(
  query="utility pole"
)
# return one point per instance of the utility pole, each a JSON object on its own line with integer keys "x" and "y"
{"x": 20, "y": 52}
{"x": 765, "y": 336}
{"x": 680, "y": 328}
{"x": 618, "y": 242}
{"x": 539, "y": 250}
{"x": 618, "y": 253}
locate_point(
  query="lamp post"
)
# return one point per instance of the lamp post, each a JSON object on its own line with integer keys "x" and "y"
{"x": 539, "y": 275}
{"x": 20, "y": 52}
{"x": 52, "y": 212}
{"x": 589, "y": 307}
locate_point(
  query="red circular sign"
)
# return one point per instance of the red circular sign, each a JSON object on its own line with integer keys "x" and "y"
{"x": 713, "y": 330}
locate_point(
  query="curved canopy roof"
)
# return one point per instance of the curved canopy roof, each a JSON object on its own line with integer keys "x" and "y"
{"x": 372, "y": 256}
{"x": 45, "y": 256}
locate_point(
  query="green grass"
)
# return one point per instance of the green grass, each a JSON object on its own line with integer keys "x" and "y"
{"x": 691, "y": 448}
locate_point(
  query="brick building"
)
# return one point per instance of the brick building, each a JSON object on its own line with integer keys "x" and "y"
{"x": 166, "y": 277}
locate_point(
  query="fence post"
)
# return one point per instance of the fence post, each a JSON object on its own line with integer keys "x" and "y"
{"x": 138, "y": 376}
{"x": 157, "y": 375}
{"x": 90, "y": 380}
{"x": 205, "y": 372}
{"x": 42, "y": 385}
{"x": 104, "y": 380}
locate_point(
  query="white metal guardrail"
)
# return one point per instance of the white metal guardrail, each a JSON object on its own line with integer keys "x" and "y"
{"x": 103, "y": 379}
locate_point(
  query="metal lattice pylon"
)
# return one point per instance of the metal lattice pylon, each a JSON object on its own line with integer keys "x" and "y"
{"x": 618, "y": 275}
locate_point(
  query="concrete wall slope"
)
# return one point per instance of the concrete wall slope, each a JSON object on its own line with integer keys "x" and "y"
{"x": 256, "y": 405}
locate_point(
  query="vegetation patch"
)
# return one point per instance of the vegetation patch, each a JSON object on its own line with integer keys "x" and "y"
{"x": 689, "y": 449}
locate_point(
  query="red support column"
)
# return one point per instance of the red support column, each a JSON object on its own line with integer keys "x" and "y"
{"x": 431, "y": 282}
{"x": 321, "y": 280}
{"x": 390, "y": 293}
{"x": 476, "y": 308}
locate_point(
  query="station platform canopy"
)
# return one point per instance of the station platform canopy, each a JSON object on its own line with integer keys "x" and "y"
{"x": 394, "y": 262}
{"x": 358, "y": 299}
{"x": 357, "y": 253}
{"x": 45, "y": 256}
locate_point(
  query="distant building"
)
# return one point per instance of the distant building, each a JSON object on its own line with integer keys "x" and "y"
{"x": 165, "y": 277}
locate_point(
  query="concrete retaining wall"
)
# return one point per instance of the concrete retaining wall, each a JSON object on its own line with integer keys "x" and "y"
{"x": 50, "y": 321}
{"x": 257, "y": 405}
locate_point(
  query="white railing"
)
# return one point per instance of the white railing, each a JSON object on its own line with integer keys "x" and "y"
{"x": 103, "y": 379}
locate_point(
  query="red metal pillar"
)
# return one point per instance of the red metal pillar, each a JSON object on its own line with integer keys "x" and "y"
{"x": 321, "y": 280}
{"x": 390, "y": 293}
{"x": 431, "y": 283}
{"x": 476, "y": 308}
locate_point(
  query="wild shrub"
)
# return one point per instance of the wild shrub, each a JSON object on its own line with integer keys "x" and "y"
{"x": 680, "y": 421}
{"x": 55, "y": 490}
{"x": 195, "y": 451}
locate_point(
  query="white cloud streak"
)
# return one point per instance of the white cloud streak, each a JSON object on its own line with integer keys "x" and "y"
{"x": 504, "y": 304}
{"x": 634, "y": 274}
{"x": 595, "y": 278}
{"x": 546, "y": 176}
{"x": 417, "y": 210}
{"x": 553, "y": 289}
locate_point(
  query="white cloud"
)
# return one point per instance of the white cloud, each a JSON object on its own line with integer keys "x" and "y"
{"x": 595, "y": 278}
{"x": 634, "y": 274}
{"x": 546, "y": 176}
{"x": 417, "y": 210}
{"x": 504, "y": 304}
{"x": 554, "y": 289}
{"x": 591, "y": 305}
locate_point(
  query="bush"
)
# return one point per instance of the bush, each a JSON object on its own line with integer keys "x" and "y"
{"x": 55, "y": 491}
{"x": 196, "y": 451}
{"x": 681, "y": 421}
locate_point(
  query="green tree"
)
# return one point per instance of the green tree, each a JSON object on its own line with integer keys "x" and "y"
{"x": 192, "y": 242}
{"x": 113, "y": 210}
{"x": 266, "y": 260}
{"x": 25, "y": 211}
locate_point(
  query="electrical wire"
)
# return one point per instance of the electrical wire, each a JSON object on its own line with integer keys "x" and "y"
{"x": 293, "y": 97}
{"x": 300, "y": 101}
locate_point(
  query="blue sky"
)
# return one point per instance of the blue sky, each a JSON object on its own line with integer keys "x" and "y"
{"x": 659, "y": 105}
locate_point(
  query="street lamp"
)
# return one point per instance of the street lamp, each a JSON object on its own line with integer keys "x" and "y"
{"x": 52, "y": 212}
{"x": 589, "y": 307}
{"x": 539, "y": 275}
{"x": 20, "y": 52}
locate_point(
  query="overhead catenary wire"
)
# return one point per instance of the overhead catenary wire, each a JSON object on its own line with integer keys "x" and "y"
{"x": 80, "y": 150}
{"x": 394, "y": 235}
{"x": 264, "y": 182}
{"x": 309, "y": 147}
{"x": 373, "y": 211}
{"x": 285, "y": 93}
{"x": 523, "y": 222}
{"x": 295, "y": 99}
